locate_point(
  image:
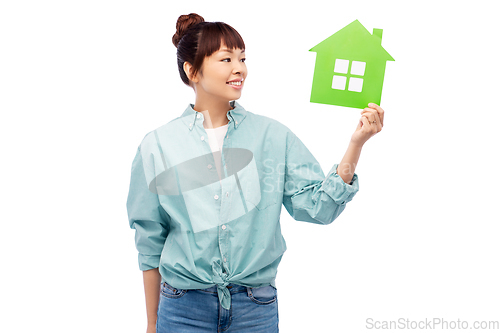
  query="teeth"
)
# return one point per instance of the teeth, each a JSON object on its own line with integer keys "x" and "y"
{"x": 237, "y": 83}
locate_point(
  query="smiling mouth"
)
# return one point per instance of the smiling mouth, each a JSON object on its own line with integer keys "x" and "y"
{"x": 234, "y": 83}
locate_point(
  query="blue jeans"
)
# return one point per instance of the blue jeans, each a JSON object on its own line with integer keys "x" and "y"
{"x": 252, "y": 310}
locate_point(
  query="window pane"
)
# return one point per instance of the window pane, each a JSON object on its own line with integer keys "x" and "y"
{"x": 341, "y": 66}
{"x": 339, "y": 82}
{"x": 355, "y": 84}
{"x": 358, "y": 68}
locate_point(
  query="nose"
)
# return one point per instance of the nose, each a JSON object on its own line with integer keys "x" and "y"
{"x": 239, "y": 68}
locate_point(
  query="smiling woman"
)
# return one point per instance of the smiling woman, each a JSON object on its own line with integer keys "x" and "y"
{"x": 207, "y": 189}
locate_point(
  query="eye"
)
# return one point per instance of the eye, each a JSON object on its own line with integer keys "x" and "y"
{"x": 243, "y": 59}
{"x": 229, "y": 59}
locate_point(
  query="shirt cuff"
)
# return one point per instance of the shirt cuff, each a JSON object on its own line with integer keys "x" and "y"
{"x": 147, "y": 262}
{"x": 337, "y": 189}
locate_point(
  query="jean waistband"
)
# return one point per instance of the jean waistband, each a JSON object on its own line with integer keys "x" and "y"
{"x": 233, "y": 288}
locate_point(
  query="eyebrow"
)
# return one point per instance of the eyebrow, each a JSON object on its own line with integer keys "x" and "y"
{"x": 230, "y": 51}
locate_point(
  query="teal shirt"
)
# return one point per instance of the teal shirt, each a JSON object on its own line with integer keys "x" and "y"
{"x": 212, "y": 218}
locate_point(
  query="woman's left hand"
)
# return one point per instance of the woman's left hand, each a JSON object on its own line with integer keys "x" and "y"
{"x": 371, "y": 122}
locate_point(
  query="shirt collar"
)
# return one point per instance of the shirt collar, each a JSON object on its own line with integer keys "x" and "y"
{"x": 237, "y": 114}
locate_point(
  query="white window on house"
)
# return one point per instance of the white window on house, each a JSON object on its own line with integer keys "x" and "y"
{"x": 348, "y": 74}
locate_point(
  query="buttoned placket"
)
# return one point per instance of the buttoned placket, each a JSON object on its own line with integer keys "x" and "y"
{"x": 223, "y": 229}
{"x": 222, "y": 197}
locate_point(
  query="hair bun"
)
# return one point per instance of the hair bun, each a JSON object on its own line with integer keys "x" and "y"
{"x": 183, "y": 24}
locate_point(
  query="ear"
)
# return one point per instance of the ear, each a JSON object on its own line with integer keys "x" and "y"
{"x": 188, "y": 69}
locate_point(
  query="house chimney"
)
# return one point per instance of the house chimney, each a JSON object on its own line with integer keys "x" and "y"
{"x": 378, "y": 33}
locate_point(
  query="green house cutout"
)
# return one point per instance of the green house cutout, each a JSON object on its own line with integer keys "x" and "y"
{"x": 350, "y": 67}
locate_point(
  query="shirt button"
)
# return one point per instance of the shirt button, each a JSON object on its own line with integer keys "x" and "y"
{"x": 216, "y": 197}
{"x": 198, "y": 115}
{"x": 236, "y": 122}
{"x": 202, "y": 138}
{"x": 225, "y": 259}
{"x": 209, "y": 166}
{"x": 227, "y": 194}
{"x": 223, "y": 227}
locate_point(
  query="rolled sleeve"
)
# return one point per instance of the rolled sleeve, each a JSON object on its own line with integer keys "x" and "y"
{"x": 337, "y": 189}
{"x": 147, "y": 262}
{"x": 143, "y": 208}
{"x": 308, "y": 195}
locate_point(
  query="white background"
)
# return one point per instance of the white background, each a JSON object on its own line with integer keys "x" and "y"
{"x": 82, "y": 82}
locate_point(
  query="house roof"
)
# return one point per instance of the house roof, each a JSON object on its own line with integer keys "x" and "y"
{"x": 354, "y": 42}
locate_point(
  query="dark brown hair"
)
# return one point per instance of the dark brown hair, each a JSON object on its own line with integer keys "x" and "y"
{"x": 196, "y": 39}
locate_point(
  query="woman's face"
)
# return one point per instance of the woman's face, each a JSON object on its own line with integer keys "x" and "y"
{"x": 222, "y": 74}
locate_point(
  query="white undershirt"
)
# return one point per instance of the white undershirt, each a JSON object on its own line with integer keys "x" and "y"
{"x": 216, "y": 137}
{"x": 215, "y": 140}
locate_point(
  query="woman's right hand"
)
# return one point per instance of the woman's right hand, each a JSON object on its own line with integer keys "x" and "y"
{"x": 151, "y": 329}
{"x": 371, "y": 122}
